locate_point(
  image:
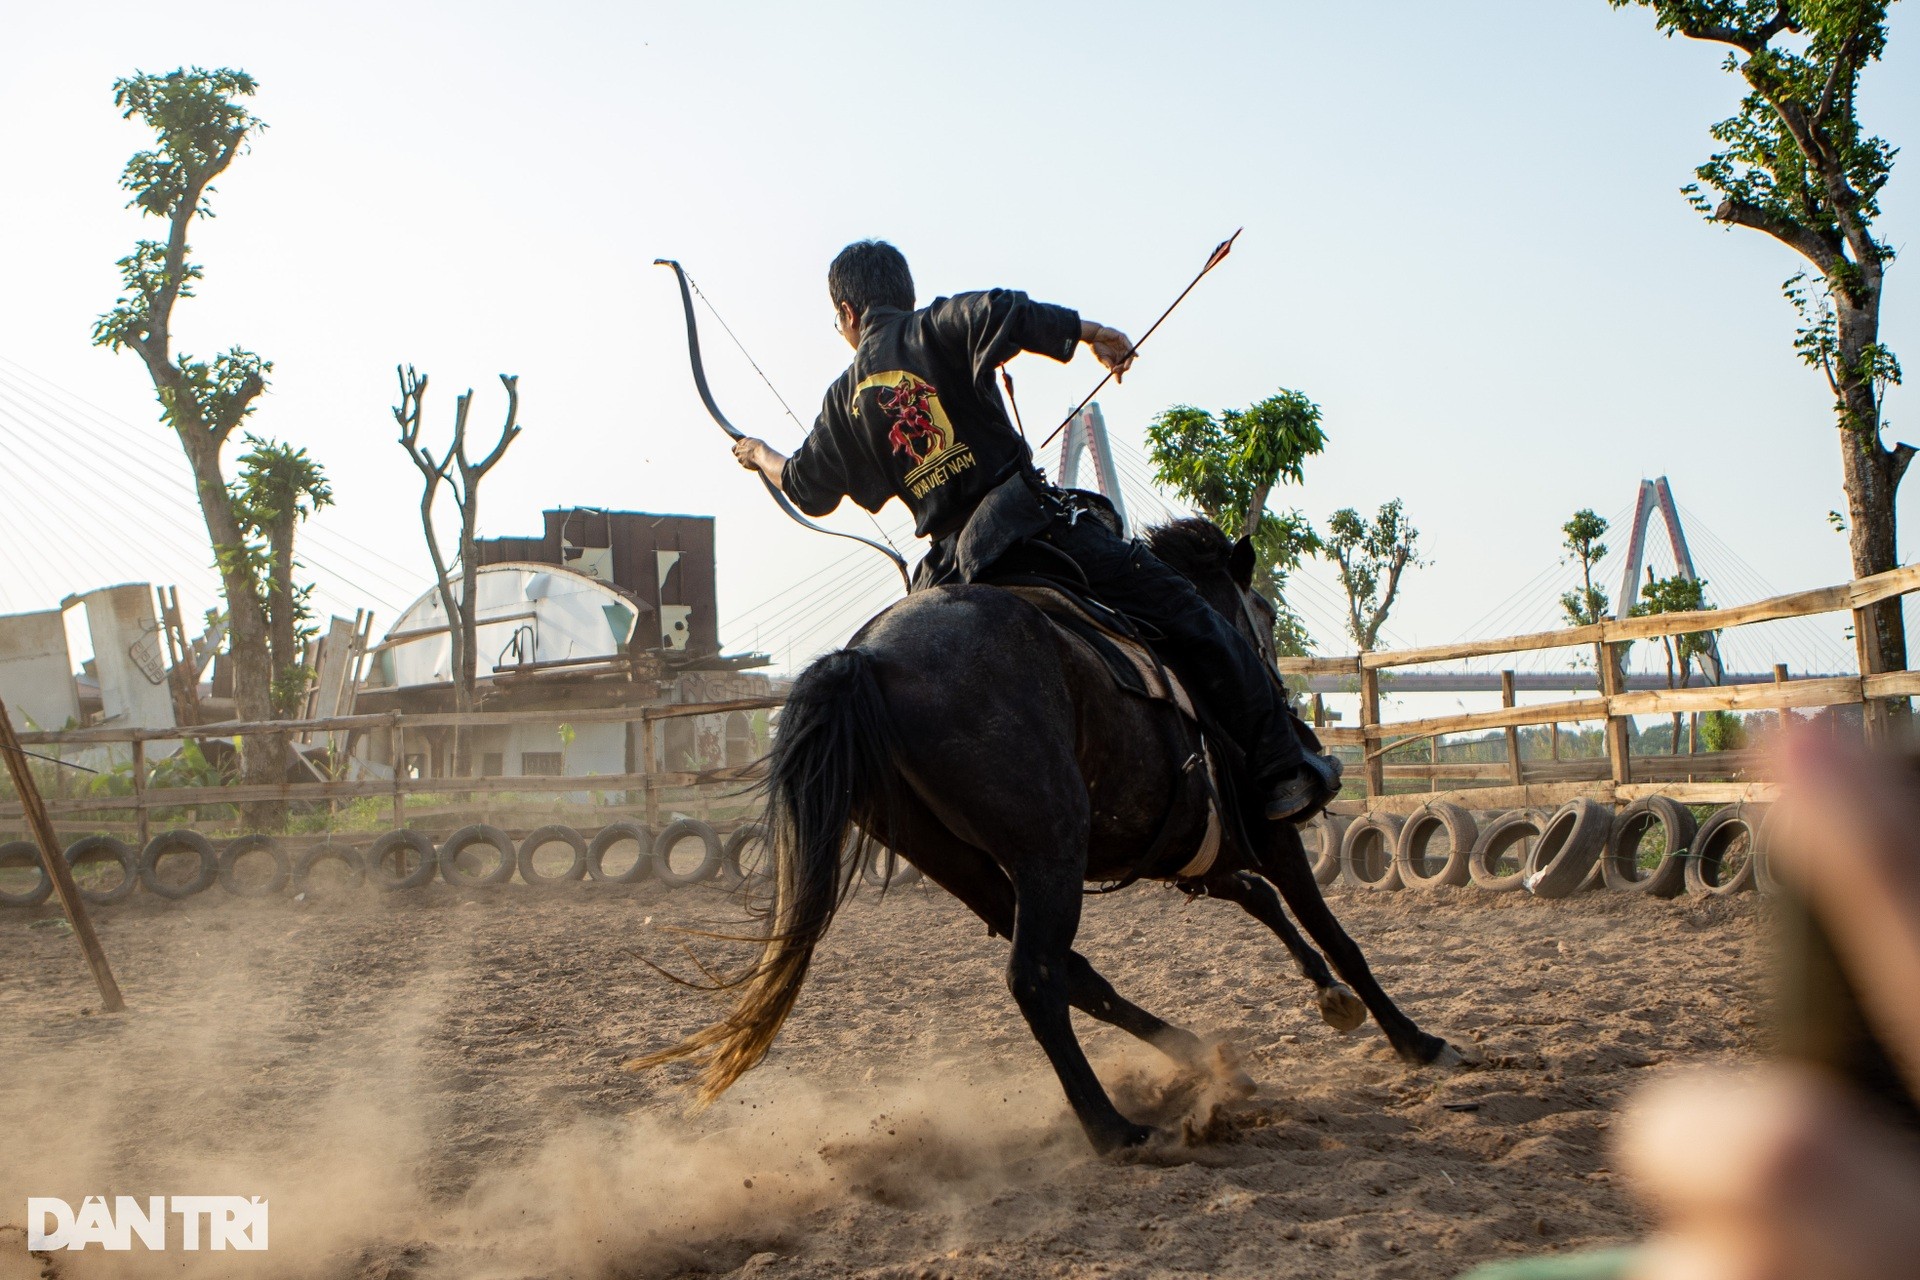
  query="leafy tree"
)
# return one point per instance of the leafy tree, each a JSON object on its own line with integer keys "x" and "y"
{"x": 1371, "y": 556}
{"x": 1227, "y": 467}
{"x": 1723, "y": 731}
{"x": 200, "y": 125}
{"x": 462, "y": 478}
{"x": 1797, "y": 165}
{"x": 1677, "y": 595}
{"x": 1588, "y": 604}
{"x": 278, "y": 487}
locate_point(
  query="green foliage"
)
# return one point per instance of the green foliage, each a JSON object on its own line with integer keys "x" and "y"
{"x": 1222, "y": 464}
{"x": 1227, "y": 465}
{"x": 1588, "y": 604}
{"x": 1795, "y": 163}
{"x": 1723, "y": 731}
{"x": 278, "y": 487}
{"x": 200, "y": 127}
{"x": 277, "y": 481}
{"x": 1371, "y": 556}
{"x": 1677, "y": 595}
{"x": 187, "y": 767}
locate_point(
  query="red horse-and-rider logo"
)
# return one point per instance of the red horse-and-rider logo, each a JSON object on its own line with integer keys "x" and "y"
{"x": 914, "y": 432}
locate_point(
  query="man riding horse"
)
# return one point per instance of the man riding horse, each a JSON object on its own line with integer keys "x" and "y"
{"x": 963, "y": 730}
{"x": 917, "y": 416}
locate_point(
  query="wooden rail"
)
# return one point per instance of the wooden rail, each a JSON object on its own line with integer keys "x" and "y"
{"x": 1617, "y": 775}
{"x": 145, "y": 798}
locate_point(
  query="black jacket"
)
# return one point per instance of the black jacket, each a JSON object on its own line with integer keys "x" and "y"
{"x": 917, "y": 415}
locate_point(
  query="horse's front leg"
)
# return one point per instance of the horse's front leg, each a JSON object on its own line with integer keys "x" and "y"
{"x": 1284, "y": 861}
{"x": 1339, "y": 1007}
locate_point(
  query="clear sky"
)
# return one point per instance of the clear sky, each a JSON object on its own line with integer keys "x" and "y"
{"x": 1463, "y": 239}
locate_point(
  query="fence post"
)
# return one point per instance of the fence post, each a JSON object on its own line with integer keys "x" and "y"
{"x": 140, "y": 788}
{"x": 1619, "y": 735}
{"x": 397, "y": 749}
{"x": 647, "y": 766}
{"x": 1513, "y": 734}
{"x": 1376, "y": 773}
{"x": 1866, "y": 648}
{"x": 1780, "y": 678}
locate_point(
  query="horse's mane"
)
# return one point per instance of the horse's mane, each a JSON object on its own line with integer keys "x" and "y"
{"x": 1192, "y": 546}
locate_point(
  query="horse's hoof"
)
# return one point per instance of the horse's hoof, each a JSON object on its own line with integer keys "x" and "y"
{"x": 1450, "y": 1057}
{"x": 1127, "y": 1138}
{"x": 1342, "y": 1010}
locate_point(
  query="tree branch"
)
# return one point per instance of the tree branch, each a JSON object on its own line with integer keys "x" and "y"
{"x": 1810, "y": 244}
{"x": 1728, "y": 33}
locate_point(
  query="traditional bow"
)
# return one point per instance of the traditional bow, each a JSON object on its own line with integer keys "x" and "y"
{"x": 706, "y": 398}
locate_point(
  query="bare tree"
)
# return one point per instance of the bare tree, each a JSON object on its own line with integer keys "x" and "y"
{"x": 462, "y": 478}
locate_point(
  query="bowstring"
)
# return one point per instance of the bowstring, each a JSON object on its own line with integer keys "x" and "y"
{"x": 755, "y": 365}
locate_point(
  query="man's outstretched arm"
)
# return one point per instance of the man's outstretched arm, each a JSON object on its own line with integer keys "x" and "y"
{"x": 758, "y": 455}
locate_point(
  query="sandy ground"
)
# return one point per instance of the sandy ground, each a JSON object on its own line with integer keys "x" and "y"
{"x": 428, "y": 1085}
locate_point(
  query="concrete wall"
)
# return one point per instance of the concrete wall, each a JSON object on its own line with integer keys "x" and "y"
{"x": 128, "y": 656}
{"x": 36, "y": 671}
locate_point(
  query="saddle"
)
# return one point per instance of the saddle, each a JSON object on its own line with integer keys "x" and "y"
{"x": 1136, "y": 670}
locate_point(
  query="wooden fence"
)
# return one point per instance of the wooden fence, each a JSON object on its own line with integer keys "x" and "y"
{"x": 1617, "y": 776}
{"x": 144, "y": 797}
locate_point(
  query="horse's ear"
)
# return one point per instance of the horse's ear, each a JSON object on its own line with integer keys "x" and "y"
{"x": 1240, "y": 564}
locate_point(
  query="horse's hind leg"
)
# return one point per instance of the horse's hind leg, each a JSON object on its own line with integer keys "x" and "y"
{"x": 1284, "y": 862}
{"x": 1046, "y": 916}
{"x": 1341, "y": 1009}
{"x": 975, "y": 879}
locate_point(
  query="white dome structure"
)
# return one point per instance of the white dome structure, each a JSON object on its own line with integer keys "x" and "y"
{"x": 527, "y": 615}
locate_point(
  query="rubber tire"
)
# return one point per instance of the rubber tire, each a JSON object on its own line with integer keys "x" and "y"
{"x": 1496, "y": 838}
{"x": 405, "y": 838}
{"x": 1772, "y": 832}
{"x": 553, "y": 833}
{"x": 1669, "y": 876}
{"x": 11, "y": 856}
{"x": 344, "y": 854}
{"x": 1571, "y": 842}
{"x": 478, "y": 833}
{"x": 1383, "y": 828}
{"x": 179, "y": 841}
{"x": 1325, "y": 859}
{"x": 610, "y": 835}
{"x": 242, "y": 846}
{"x": 1713, "y": 836}
{"x": 904, "y": 872}
{"x": 741, "y": 836}
{"x": 87, "y": 848}
{"x": 675, "y": 832}
{"x": 1462, "y": 832}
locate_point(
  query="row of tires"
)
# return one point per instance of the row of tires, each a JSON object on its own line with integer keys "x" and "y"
{"x": 180, "y": 864}
{"x": 1554, "y": 854}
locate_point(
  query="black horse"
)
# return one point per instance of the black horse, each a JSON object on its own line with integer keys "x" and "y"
{"x": 962, "y": 731}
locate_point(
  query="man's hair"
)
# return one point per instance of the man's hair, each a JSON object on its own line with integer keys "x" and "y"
{"x": 870, "y": 273}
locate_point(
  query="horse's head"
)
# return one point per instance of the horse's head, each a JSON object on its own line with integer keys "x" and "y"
{"x": 1221, "y": 570}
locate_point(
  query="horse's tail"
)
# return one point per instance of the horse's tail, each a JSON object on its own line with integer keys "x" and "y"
{"x": 834, "y": 754}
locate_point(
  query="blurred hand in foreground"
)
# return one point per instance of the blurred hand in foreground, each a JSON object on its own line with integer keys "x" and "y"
{"x": 1782, "y": 1173}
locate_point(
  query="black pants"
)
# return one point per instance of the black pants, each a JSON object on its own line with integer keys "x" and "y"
{"x": 1219, "y": 666}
